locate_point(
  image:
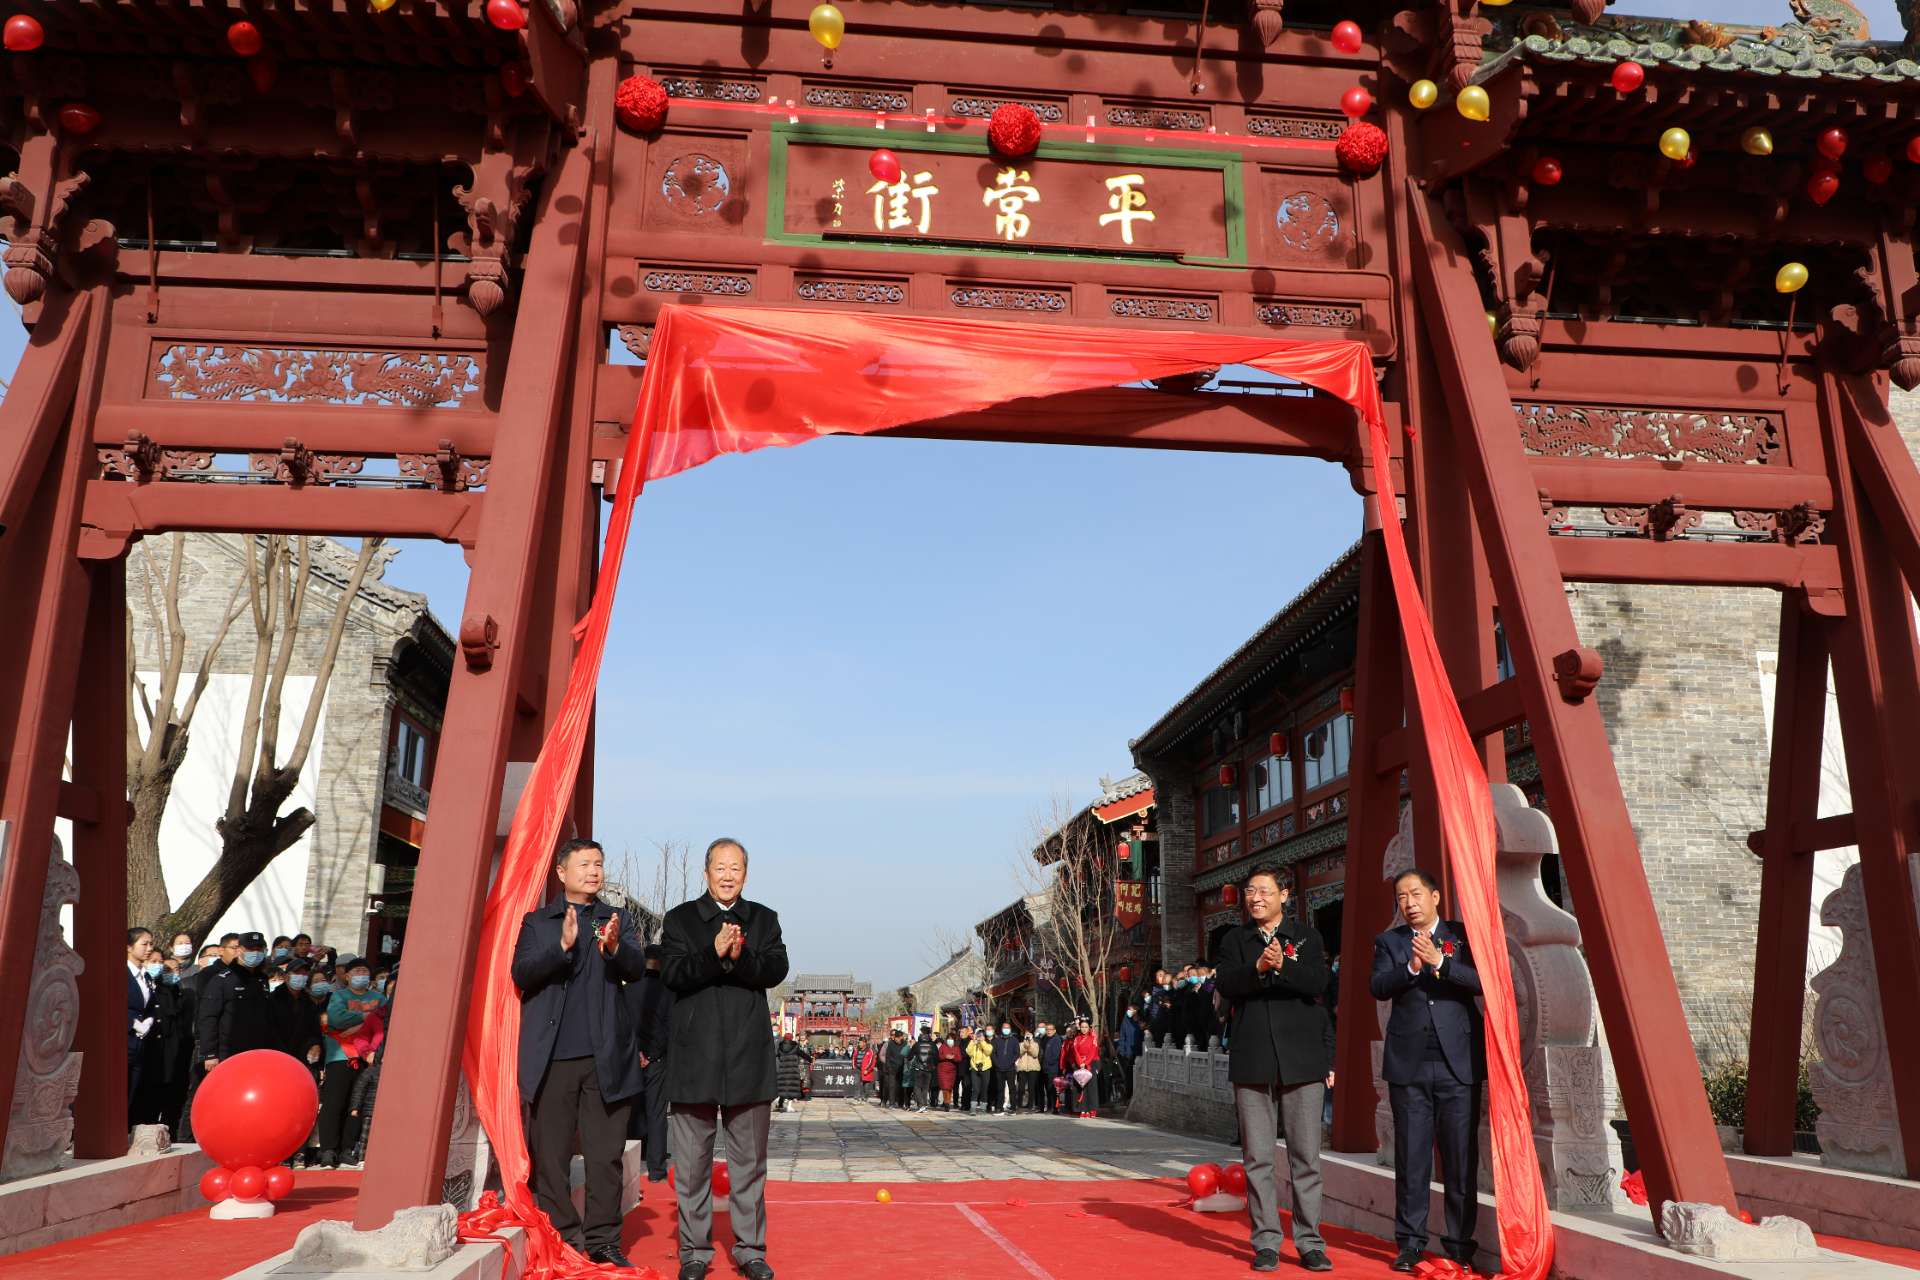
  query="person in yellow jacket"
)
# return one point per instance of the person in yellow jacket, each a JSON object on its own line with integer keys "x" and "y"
{"x": 980, "y": 1068}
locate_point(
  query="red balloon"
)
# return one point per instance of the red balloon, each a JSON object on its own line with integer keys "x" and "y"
{"x": 256, "y": 1108}
{"x": 23, "y": 33}
{"x": 261, "y": 71}
{"x": 248, "y": 1184}
{"x": 884, "y": 165}
{"x": 1627, "y": 76}
{"x": 1356, "y": 102}
{"x": 1203, "y": 1180}
{"x": 506, "y": 14}
{"x": 1832, "y": 143}
{"x": 214, "y": 1183}
{"x": 513, "y": 79}
{"x": 1546, "y": 171}
{"x": 1233, "y": 1179}
{"x": 78, "y": 119}
{"x": 722, "y": 1180}
{"x": 1346, "y": 36}
{"x": 1877, "y": 169}
{"x": 244, "y": 39}
{"x": 279, "y": 1182}
{"x": 1822, "y": 187}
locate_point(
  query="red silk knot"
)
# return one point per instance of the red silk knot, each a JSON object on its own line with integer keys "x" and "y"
{"x": 1291, "y": 951}
{"x": 1013, "y": 130}
{"x": 1446, "y": 947}
{"x": 1362, "y": 147}
{"x": 483, "y": 1223}
{"x": 641, "y": 103}
{"x": 1442, "y": 1269}
{"x": 1635, "y": 1186}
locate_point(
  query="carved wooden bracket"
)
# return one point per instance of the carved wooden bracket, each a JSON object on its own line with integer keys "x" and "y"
{"x": 1267, "y": 20}
{"x": 446, "y": 469}
{"x": 1796, "y": 526}
{"x": 1663, "y": 521}
{"x": 1577, "y": 671}
{"x": 479, "y": 638}
{"x": 493, "y": 205}
{"x": 1555, "y": 513}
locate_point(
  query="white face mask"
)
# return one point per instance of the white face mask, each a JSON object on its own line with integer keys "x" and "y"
{"x": 183, "y": 951}
{"x": 949, "y": 1039}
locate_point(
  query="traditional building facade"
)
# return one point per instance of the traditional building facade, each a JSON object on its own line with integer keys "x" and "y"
{"x": 828, "y": 1010}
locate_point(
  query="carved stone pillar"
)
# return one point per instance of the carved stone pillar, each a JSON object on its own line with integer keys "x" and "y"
{"x": 1173, "y": 817}
{"x": 41, "y": 1129}
{"x": 468, "y": 1156}
{"x": 1859, "y": 1127}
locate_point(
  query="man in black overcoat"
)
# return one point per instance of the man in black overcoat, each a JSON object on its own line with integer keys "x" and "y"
{"x": 722, "y": 954}
{"x": 650, "y": 1002}
{"x": 1274, "y": 971}
{"x": 579, "y": 1064}
{"x": 1434, "y": 1064}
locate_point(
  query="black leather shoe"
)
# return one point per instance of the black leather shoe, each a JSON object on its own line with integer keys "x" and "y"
{"x": 757, "y": 1270}
{"x": 1407, "y": 1260}
{"x": 1266, "y": 1260}
{"x": 325, "y": 1160}
{"x": 693, "y": 1271}
{"x": 611, "y": 1255}
{"x": 661, "y": 1176}
{"x": 1316, "y": 1260}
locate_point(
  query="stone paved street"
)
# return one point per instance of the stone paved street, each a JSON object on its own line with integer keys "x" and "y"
{"x": 837, "y": 1140}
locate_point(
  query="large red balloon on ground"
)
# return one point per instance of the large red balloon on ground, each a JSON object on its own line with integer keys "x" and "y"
{"x": 722, "y": 1180}
{"x": 256, "y": 1108}
{"x": 1203, "y": 1180}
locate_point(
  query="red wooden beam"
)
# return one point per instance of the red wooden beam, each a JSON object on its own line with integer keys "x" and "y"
{"x": 1486, "y": 712}
{"x": 1837, "y": 831}
{"x": 1633, "y": 978}
{"x": 1581, "y": 483}
{"x": 1885, "y": 469}
{"x": 118, "y": 511}
{"x": 35, "y": 408}
{"x": 220, "y": 428}
{"x": 1697, "y": 563}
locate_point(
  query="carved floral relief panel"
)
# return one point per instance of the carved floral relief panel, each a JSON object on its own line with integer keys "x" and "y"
{"x": 697, "y": 182}
{"x": 313, "y": 375}
{"x": 1667, "y": 435}
{"x": 1304, "y": 218}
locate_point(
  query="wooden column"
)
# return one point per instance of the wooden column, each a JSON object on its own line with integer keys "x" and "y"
{"x": 42, "y": 580}
{"x": 1786, "y": 879}
{"x": 407, "y": 1156}
{"x": 1877, "y": 685}
{"x": 1646, "y": 1027}
{"x": 1373, "y": 815}
{"x": 100, "y": 858}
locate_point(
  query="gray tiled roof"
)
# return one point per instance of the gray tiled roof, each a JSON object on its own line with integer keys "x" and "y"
{"x": 1792, "y": 49}
{"x": 1132, "y": 785}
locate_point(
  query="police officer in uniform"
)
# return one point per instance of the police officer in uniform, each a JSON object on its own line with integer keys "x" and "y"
{"x": 235, "y": 1014}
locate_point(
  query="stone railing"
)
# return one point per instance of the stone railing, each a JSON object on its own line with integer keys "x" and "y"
{"x": 403, "y": 794}
{"x": 1186, "y": 1070}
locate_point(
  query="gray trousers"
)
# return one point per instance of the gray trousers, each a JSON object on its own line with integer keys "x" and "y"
{"x": 1297, "y": 1107}
{"x": 690, "y": 1134}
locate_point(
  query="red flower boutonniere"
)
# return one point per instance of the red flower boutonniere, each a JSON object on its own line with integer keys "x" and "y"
{"x": 1291, "y": 951}
{"x": 1446, "y": 947}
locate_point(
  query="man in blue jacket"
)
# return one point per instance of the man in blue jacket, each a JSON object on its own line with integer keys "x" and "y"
{"x": 579, "y": 1063}
{"x": 1434, "y": 1064}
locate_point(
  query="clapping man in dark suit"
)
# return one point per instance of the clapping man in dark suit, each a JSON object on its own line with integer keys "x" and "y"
{"x": 722, "y": 955}
{"x": 1435, "y": 1064}
{"x": 579, "y": 1064}
{"x": 1274, "y": 970}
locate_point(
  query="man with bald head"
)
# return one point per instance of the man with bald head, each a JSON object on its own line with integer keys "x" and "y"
{"x": 721, "y": 955}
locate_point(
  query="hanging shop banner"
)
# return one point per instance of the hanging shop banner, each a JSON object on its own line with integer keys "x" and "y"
{"x": 1129, "y": 902}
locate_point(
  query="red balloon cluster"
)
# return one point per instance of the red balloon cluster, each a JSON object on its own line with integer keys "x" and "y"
{"x": 1233, "y": 1179}
{"x": 255, "y": 1109}
{"x": 1362, "y": 147}
{"x": 641, "y": 103}
{"x": 884, "y": 165}
{"x": 244, "y": 39}
{"x": 1346, "y": 36}
{"x": 1627, "y": 77}
{"x": 1013, "y": 130}
{"x": 1356, "y": 102}
{"x": 247, "y": 1183}
{"x": 23, "y": 33}
{"x": 1203, "y": 1180}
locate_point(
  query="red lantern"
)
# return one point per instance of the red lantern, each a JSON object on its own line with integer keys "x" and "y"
{"x": 1822, "y": 187}
{"x": 1123, "y": 851}
{"x": 1877, "y": 169}
{"x": 1346, "y": 36}
{"x": 1627, "y": 77}
{"x": 1233, "y": 1179}
{"x": 1832, "y": 143}
{"x": 260, "y": 70}
{"x": 214, "y": 1183}
{"x": 1362, "y": 147}
{"x": 1546, "y": 171}
{"x": 507, "y": 15}
{"x": 254, "y": 1109}
{"x": 1913, "y": 148}
{"x": 248, "y": 1183}
{"x": 244, "y": 39}
{"x": 1356, "y": 102}
{"x": 641, "y": 103}
{"x": 1126, "y": 973}
{"x": 279, "y": 1182}
{"x": 1230, "y": 893}
{"x": 514, "y": 78}
{"x": 1013, "y": 129}
{"x": 884, "y": 165}
{"x": 1346, "y": 699}
{"x": 78, "y": 119}
{"x": 722, "y": 1180}
{"x": 1277, "y": 744}
{"x": 1226, "y": 775}
{"x": 23, "y": 33}
{"x": 1203, "y": 1180}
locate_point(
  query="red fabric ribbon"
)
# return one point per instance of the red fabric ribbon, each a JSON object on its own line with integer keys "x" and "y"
{"x": 731, "y": 380}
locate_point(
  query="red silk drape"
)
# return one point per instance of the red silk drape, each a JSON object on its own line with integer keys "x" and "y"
{"x": 731, "y": 380}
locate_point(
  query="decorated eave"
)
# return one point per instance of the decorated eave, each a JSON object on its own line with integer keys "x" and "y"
{"x": 1128, "y": 798}
{"x": 1833, "y": 50}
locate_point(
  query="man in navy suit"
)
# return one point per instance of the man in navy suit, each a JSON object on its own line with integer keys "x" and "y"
{"x": 1435, "y": 1065}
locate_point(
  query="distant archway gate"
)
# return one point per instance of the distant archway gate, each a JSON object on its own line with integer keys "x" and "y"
{"x": 156, "y": 355}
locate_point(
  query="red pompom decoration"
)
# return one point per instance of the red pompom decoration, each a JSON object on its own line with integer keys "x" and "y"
{"x": 507, "y": 15}
{"x": 78, "y": 119}
{"x": 1627, "y": 77}
{"x": 23, "y": 33}
{"x": 1546, "y": 171}
{"x": 1013, "y": 130}
{"x": 1356, "y": 102}
{"x": 1362, "y": 148}
{"x": 1346, "y": 36}
{"x": 244, "y": 39}
{"x": 641, "y": 103}
{"x": 1877, "y": 169}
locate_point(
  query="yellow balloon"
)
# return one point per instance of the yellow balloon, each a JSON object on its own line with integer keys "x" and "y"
{"x": 381, "y": 6}
{"x": 1791, "y": 278}
{"x": 1423, "y": 94}
{"x": 828, "y": 25}
{"x": 1493, "y": 325}
{"x": 1675, "y": 143}
{"x": 1473, "y": 103}
{"x": 1757, "y": 142}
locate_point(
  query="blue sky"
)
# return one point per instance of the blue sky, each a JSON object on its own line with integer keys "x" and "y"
{"x": 878, "y": 662}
